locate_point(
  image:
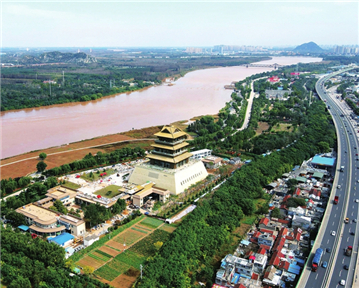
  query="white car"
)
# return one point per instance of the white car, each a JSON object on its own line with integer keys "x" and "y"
{"x": 342, "y": 282}
{"x": 357, "y": 200}
{"x": 333, "y": 233}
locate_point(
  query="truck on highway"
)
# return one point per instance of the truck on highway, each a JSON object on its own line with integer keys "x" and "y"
{"x": 341, "y": 168}
{"x": 336, "y": 200}
{"x": 316, "y": 259}
{"x": 349, "y": 250}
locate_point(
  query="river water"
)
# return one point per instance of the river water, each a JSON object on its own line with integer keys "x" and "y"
{"x": 197, "y": 93}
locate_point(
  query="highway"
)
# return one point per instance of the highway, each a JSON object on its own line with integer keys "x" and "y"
{"x": 347, "y": 207}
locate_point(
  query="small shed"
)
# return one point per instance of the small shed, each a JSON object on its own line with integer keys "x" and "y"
{"x": 62, "y": 240}
{"x": 318, "y": 175}
{"x": 91, "y": 239}
{"x": 301, "y": 179}
{"x": 23, "y": 228}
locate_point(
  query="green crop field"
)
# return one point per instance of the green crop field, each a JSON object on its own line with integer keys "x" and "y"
{"x": 151, "y": 222}
{"x": 131, "y": 258}
{"x": 139, "y": 230}
{"x": 145, "y": 247}
{"x": 129, "y": 237}
{"x": 112, "y": 269}
{"x": 99, "y": 256}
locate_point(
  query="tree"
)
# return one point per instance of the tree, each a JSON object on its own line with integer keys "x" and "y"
{"x": 41, "y": 166}
{"x": 60, "y": 207}
{"x": 158, "y": 245}
{"x": 43, "y": 156}
{"x": 16, "y": 219}
{"x": 119, "y": 206}
{"x": 275, "y": 213}
{"x": 88, "y": 270}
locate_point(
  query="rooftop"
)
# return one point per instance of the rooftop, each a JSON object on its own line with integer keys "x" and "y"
{"x": 38, "y": 214}
{"x": 170, "y": 132}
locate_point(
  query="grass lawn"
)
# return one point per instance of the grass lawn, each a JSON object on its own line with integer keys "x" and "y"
{"x": 282, "y": 127}
{"x": 109, "y": 191}
{"x": 71, "y": 185}
{"x": 249, "y": 219}
{"x": 96, "y": 175}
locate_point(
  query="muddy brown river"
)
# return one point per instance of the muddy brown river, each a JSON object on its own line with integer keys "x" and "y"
{"x": 197, "y": 93}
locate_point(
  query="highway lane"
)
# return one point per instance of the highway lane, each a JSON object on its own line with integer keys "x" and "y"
{"x": 339, "y": 273}
{"x": 337, "y": 213}
{"x": 336, "y": 217}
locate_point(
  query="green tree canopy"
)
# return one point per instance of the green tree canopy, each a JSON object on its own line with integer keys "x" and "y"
{"x": 41, "y": 166}
{"x": 43, "y": 156}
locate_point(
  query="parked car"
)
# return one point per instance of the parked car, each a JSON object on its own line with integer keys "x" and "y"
{"x": 325, "y": 264}
{"x": 329, "y": 250}
{"x": 333, "y": 233}
{"x": 342, "y": 282}
{"x": 346, "y": 267}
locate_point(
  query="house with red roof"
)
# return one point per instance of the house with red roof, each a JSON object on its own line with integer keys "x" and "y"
{"x": 263, "y": 222}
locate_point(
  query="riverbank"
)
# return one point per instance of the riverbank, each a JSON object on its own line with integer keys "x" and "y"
{"x": 24, "y": 164}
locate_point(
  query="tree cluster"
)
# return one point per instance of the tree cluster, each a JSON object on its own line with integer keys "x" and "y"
{"x": 8, "y": 186}
{"x": 31, "y": 194}
{"x": 27, "y": 262}
{"x": 100, "y": 158}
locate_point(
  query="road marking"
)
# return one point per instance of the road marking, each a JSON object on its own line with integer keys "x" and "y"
{"x": 343, "y": 261}
{"x": 335, "y": 215}
{"x": 348, "y": 239}
{"x": 337, "y": 208}
{"x": 316, "y": 277}
{"x": 328, "y": 241}
{"x": 333, "y": 224}
{"x": 353, "y": 213}
{"x": 340, "y": 273}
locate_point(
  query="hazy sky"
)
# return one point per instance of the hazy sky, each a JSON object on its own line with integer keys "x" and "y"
{"x": 165, "y": 23}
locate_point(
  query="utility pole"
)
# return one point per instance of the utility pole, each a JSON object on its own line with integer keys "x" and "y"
{"x": 310, "y": 96}
{"x": 141, "y": 270}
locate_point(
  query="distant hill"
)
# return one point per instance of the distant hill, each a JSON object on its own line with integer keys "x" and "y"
{"x": 56, "y": 57}
{"x": 310, "y": 47}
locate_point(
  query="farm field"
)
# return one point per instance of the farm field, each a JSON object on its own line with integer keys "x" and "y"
{"x": 118, "y": 264}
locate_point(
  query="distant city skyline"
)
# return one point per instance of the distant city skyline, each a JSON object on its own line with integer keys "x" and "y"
{"x": 178, "y": 24}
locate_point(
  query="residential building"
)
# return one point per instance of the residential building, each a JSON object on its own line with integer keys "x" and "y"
{"x": 266, "y": 239}
{"x": 199, "y": 154}
{"x": 212, "y": 162}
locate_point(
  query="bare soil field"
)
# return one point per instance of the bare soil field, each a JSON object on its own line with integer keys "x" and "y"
{"x": 262, "y": 126}
{"x": 168, "y": 228}
{"x": 109, "y": 251}
{"x": 89, "y": 261}
{"x": 124, "y": 281}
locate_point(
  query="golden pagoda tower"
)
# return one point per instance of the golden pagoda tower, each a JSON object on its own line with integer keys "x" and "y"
{"x": 169, "y": 165}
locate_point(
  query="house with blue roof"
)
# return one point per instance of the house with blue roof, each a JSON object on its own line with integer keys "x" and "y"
{"x": 63, "y": 239}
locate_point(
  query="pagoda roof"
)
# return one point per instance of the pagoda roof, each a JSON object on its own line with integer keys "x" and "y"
{"x": 169, "y": 147}
{"x": 170, "y": 132}
{"x": 174, "y": 160}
